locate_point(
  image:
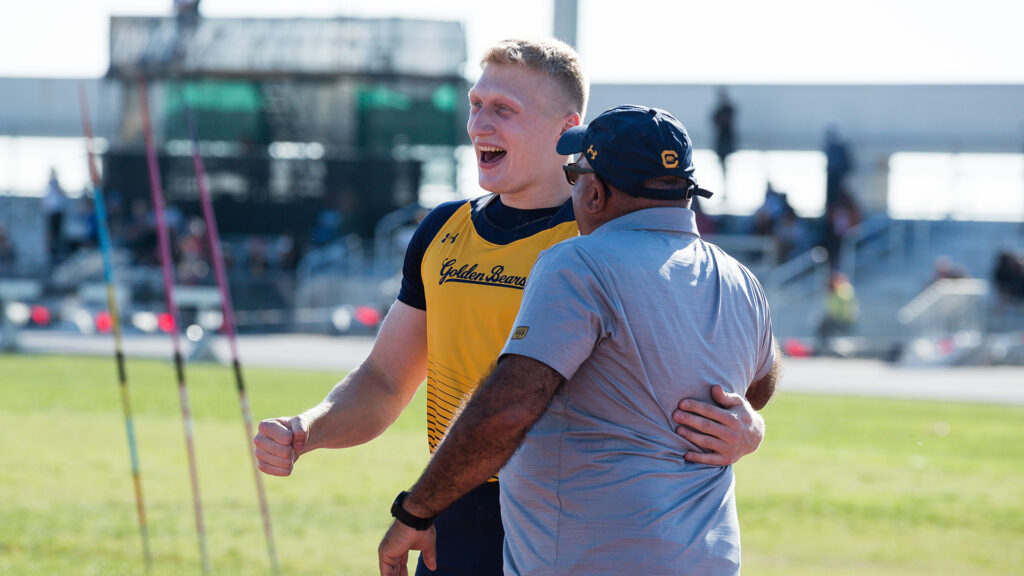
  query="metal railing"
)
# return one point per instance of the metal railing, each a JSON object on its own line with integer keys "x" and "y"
{"x": 947, "y": 307}
{"x": 799, "y": 277}
{"x": 341, "y": 257}
{"x": 388, "y": 255}
{"x": 878, "y": 238}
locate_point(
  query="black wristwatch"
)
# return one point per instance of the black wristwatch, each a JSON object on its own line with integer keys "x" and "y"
{"x": 403, "y": 516}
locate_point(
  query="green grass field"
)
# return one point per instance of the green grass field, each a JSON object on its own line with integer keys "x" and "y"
{"x": 840, "y": 486}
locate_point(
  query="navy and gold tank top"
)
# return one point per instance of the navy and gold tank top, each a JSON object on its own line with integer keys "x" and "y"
{"x": 466, "y": 266}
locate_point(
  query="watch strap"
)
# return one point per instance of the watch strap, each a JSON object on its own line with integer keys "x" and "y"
{"x": 406, "y": 517}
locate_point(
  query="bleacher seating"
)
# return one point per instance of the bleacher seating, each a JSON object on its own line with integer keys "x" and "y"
{"x": 886, "y": 283}
{"x": 23, "y": 218}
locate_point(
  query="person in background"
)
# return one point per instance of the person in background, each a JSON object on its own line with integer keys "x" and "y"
{"x": 843, "y": 216}
{"x": 724, "y": 118}
{"x": 80, "y": 224}
{"x": 841, "y": 311}
{"x": 55, "y": 203}
{"x": 946, "y": 269}
{"x": 838, "y": 165}
{"x": 1008, "y": 276}
{"x": 8, "y": 255}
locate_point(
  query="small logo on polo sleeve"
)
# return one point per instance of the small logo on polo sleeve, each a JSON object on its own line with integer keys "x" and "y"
{"x": 520, "y": 332}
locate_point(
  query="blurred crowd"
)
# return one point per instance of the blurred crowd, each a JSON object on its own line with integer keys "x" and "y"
{"x": 776, "y": 218}
{"x": 71, "y": 225}
{"x": 253, "y": 255}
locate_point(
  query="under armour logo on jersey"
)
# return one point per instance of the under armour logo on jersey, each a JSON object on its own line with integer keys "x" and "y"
{"x": 449, "y": 235}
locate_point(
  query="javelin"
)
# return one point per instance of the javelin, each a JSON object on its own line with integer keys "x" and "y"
{"x": 115, "y": 322}
{"x": 172, "y": 309}
{"x": 229, "y": 327}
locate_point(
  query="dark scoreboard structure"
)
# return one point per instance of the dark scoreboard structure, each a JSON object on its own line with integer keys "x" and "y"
{"x": 293, "y": 116}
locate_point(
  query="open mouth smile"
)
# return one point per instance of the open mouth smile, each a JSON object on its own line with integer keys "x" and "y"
{"x": 490, "y": 154}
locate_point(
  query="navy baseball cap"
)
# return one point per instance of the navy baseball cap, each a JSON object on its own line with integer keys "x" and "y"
{"x": 629, "y": 145}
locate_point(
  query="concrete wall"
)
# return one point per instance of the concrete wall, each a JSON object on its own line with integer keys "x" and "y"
{"x": 49, "y": 107}
{"x": 876, "y": 120}
{"x": 952, "y": 118}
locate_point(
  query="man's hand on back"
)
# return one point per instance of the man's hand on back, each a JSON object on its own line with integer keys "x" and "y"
{"x": 726, "y": 432}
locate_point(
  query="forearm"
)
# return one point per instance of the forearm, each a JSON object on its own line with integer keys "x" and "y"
{"x": 357, "y": 410}
{"x": 475, "y": 449}
{"x": 485, "y": 435}
{"x": 371, "y": 397}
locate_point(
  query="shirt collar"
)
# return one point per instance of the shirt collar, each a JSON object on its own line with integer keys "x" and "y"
{"x": 667, "y": 219}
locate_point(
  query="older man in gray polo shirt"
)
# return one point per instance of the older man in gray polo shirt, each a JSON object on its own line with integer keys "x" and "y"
{"x": 614, "y": 326}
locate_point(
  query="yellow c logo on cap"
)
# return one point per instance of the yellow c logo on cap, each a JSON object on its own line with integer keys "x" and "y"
{"x": 669, "y": 159}
{"x": 592, "y": 152}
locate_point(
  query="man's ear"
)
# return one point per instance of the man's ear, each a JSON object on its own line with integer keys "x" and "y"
{"x": 595, "y": 197}
{"x": 570, "y": 121}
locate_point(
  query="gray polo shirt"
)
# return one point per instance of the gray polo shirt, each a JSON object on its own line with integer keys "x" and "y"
{"x": 636, "y": 316}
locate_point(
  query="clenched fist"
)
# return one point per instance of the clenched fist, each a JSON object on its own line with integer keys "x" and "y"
{"x": 279, "y": 443}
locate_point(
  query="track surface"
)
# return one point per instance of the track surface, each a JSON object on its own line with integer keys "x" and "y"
{"x": 990, "y": 385}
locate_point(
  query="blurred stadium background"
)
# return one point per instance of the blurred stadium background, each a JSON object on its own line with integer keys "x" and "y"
{"x": 328, "y": 129}
{"x": 327, "y": 138}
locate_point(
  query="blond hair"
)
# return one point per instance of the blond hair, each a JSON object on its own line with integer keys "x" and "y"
{"x": 549, "y": 56}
